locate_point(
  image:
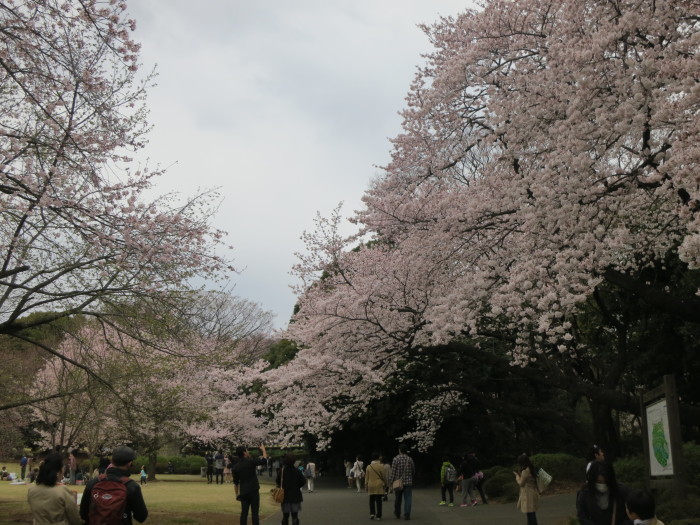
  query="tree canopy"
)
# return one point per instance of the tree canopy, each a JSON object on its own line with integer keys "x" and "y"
{"x": 545, "y": 180}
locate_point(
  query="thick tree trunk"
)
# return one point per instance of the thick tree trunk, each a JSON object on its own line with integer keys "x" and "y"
{"x": 152, "y": 461}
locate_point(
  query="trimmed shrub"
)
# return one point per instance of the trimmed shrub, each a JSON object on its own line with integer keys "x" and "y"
{"x": 511, "y": 491}
{"x": 677, "y": 511}
{"x": 691, "y": 454}
{"x": 561, "y": 466}
{"x": 494, "y": 486}
{"x": 631, "y": 470}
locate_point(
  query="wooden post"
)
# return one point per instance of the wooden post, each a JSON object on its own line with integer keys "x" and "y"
{"x": 663, "y": 401}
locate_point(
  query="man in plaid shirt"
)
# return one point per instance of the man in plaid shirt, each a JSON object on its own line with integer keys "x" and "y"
{"x": 403, "y": 470}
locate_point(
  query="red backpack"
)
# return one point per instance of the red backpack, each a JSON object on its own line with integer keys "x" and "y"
{"x": 108, "y": 501}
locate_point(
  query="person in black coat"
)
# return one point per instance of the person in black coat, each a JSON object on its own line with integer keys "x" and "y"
{"x": 245, "y": 483}
{"x": 291, "y": 480}
{"x": 601, "y": 501}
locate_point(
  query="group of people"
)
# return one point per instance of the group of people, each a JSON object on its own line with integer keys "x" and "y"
{"x": 467, "y": 478}
{"x": 51, "y": 501}
{"x": 601, "y": 501}
{"x": 379, "y": 478}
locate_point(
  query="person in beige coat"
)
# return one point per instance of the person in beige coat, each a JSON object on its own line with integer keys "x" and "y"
{"x": 375, "y": 485}
{"x": 529, "y": 498}
{"x": 49, "y": 501}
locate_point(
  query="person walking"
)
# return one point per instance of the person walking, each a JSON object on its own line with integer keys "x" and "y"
{"x": 143, "y": 475}
{"x": 403, "y": 471}
{"x": 348, "y": 473}
{"x": 358, "y": 473}
{"x": 387, "y": 474}
{"x": 310, "y": 475}
{"x": 596, "y": 454}
{"x": 50, "y": 501}
{"x": 246, "y": 485}
{"x": 448, "y": 478}
{"x": 526, "y": 478}
{"x": 375, "y": 485}
{"x": 291, "y": 480}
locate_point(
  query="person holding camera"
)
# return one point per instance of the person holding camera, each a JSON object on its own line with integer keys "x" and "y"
{"x": 246, "y": 485}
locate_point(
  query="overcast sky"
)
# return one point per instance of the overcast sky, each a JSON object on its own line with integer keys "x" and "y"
{"x": 286, "y": 106}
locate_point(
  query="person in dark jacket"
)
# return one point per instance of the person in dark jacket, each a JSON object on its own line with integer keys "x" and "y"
{"x": 246, "y": 485}
{"x": 291, "y": 480}
{"x": 601, "y": 501}
{"x": 122, "y": 460}
{"x": 468, "y": 470}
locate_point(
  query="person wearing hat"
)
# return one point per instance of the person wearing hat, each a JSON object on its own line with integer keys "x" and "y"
{"x": 246, "y": 485}
{"x": 122, "y": 461}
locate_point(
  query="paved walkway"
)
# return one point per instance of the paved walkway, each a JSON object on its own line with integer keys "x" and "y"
{"x": 334, "y": 504}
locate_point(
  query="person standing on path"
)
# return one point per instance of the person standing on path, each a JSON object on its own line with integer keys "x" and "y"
{"x": 291, "y": 480}
{"x": 448, "y": 477}
{"x": 387, "y": 474}
{"x": 403, "y": 471}
{"x": 529, "y": 498}
{"x": 310, "y": 474}
{"x": 358, "y": 473}
{"x": 375, "y": 484}
{"x": 246, "y": 485}
{"x": 348, "y": 472}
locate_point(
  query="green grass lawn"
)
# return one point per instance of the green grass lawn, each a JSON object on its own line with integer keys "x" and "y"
{"x": 173, "y": 499}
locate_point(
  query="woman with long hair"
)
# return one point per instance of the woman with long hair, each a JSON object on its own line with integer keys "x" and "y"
{"x": 50, "y": 501}
{"x": 291, "y": 480}
{"x": 526, "y": 478}
{"x": 601, "y": 501}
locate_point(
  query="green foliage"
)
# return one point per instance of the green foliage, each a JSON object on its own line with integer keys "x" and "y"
{"x": 561, "y": 466}
{"x": 495, "y": 485}
{"x": 630, "y": 470}
{"x": 511, "y": 491}
{"x": 281, "y": 352}
{"x": 674, "y": 511}
{"x": 691, "y": 454}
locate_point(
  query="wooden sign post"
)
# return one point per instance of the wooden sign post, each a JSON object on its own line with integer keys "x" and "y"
{"x": 663, "y": 445}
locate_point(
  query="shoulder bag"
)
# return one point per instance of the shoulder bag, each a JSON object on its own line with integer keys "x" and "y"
{"x": 278, "y": 492}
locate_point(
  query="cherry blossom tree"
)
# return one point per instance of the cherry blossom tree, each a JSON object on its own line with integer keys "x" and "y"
{"x": 80, "y": 230}
{"x": 548, "y": 149}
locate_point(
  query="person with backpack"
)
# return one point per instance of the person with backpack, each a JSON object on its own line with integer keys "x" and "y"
{"x": 113, "y": 498}
{"x": 448, "y": 479}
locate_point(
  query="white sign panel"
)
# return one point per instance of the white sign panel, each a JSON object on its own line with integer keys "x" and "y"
{"x": 660, "y": 458}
